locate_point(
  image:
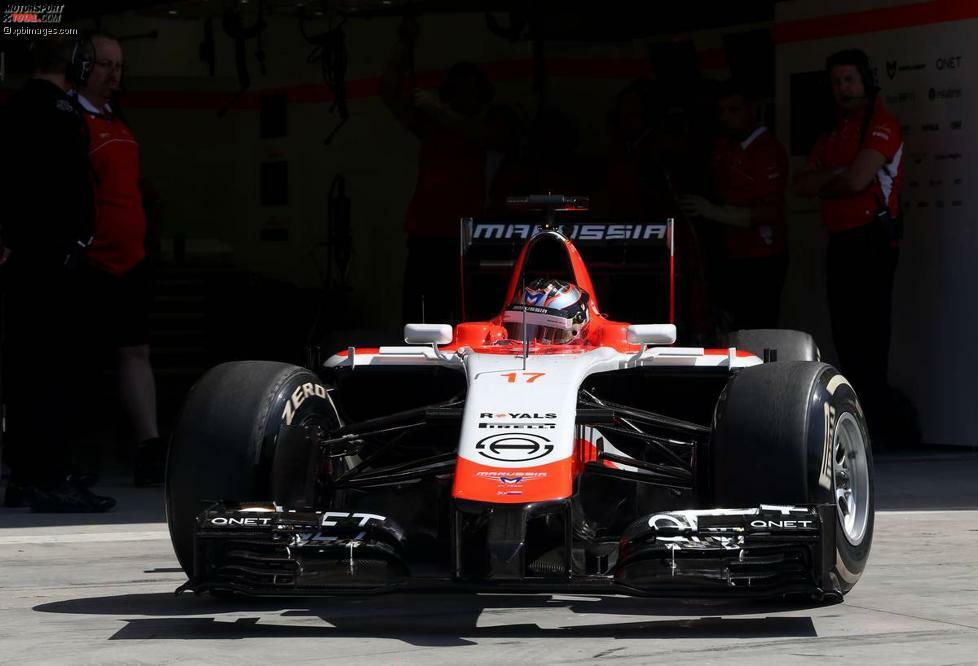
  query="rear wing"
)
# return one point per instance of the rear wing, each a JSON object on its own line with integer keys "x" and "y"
{"x": 632, "y": 262}
{"x": 500, "y": 233}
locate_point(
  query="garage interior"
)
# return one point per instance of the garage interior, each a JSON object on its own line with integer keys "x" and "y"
{"x": 282, "y": 180}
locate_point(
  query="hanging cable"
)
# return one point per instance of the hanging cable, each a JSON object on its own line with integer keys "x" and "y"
{"x": 234, "y": 27}
{"x": 329, "y": 50}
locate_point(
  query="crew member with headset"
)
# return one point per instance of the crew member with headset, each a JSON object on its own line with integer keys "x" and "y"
{"x": 119, "y": 277}
{"x": 47, "y": 227}
{"x": 856, "y": 169}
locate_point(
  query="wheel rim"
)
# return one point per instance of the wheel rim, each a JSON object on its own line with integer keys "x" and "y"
{"x": 851, "y": 471}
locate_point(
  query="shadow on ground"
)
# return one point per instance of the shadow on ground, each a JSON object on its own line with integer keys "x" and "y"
{"x": 930, "y": 479}
{"x": 434, "y": 619}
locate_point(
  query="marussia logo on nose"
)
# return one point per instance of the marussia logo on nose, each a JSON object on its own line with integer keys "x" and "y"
{"x": 511, "y": 415}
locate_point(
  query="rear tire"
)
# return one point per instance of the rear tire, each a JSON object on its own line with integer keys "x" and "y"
{"x": 224, "y": 443}
{"x": 788, "y": 345}
{"x": 794, "y": 434}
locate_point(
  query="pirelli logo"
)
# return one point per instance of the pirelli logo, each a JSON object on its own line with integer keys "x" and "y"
{"x": 519, "y": 426}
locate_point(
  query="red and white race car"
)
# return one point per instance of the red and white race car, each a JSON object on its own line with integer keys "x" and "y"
{"x": 548, "y": 448}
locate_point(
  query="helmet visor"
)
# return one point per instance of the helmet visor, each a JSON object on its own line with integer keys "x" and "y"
{"x": 522, "y": 323}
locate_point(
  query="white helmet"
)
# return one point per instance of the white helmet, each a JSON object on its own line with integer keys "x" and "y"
{"x": 555, "y": 312}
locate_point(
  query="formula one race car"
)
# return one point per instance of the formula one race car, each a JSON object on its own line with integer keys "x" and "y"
{"x": 547, "y": 449}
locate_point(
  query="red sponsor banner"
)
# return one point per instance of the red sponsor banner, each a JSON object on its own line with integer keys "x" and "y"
{"x": 875, "y": 20}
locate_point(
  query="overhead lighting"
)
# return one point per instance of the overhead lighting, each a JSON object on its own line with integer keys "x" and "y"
{"x": 173, "y": 12}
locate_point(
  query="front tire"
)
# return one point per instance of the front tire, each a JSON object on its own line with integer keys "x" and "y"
{"x": 224, "y": 444}
{"x": 793, "y": 433}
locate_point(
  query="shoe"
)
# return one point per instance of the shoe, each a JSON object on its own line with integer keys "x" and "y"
{"x": 83, "y": 479}
{"x": 18, "y": 494}
{"x": 15, "y": 496}
{"x": 68, "y": 497}
{"x": 149, "y": 463}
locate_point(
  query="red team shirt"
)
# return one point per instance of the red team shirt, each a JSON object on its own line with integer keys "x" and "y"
{"x": 120, "y": 223}
{"x": 451, "y": 184}
{"x": 752, "y": 172}
{"x": 838, "y": 148}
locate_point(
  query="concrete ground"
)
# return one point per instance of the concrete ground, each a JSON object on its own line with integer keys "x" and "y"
{"x": 84, "y": 589}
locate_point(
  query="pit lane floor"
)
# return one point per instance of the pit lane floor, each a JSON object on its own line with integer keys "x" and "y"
{"x": 78, "y": 589}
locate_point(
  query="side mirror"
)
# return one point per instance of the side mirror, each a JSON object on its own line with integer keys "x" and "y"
{"x": 428, "y": 334}
{"x": 651, "y": 334}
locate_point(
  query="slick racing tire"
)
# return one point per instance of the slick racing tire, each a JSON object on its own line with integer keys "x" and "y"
{"x": 786, "y": 344}
{"x": 229, "y": 442}
{"x": 793, "y": 433}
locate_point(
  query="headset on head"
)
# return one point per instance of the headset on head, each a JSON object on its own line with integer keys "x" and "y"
{"x": 858, "y": 59}
{"x": 81, "y": 62}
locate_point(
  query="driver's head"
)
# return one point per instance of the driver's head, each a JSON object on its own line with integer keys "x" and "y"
{"x": 554, "y": 311}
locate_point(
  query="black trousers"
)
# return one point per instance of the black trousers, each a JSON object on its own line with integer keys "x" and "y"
{"x": 750, "y": 290}
{"x": 42, "y": 354}
{"x": 431, "y": 281}
{"x": 860, "y": 268}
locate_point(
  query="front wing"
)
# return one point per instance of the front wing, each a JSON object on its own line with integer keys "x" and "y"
{"x": 268, "y": 550}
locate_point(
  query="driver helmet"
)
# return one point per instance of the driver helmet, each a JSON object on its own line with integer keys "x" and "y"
{"x": 555, "y": 312}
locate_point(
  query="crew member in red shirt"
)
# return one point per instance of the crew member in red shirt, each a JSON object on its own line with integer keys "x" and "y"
{"x": 119, "y": 274}
{"x": 856, "y": 169}
{"x": 748, "y": 169}
{"x": 453, "y": 179}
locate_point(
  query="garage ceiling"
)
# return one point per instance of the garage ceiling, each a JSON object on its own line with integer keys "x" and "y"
{"x": 611, "y": 20}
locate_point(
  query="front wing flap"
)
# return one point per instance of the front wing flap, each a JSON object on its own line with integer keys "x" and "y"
{"x": 774, "y": 549}
{"x": 265, "y": 549}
